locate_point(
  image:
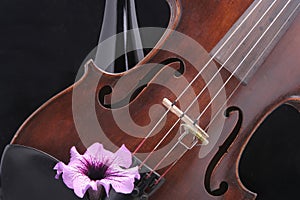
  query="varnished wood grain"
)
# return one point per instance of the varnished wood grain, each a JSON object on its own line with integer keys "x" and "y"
{"x": 52, "y": 128}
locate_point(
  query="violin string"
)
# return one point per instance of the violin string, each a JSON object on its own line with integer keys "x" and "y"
{"x": 195, "y": 78}
{"x": 197, "y": 97}
{"x": 232, "y": 74}
{"x": 240, "y": 64}
{"x": 277, "y": 33}
{"x": 220, "y": 109}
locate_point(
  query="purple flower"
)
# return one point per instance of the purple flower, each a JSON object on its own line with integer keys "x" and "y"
{"x": 98, "y": 167}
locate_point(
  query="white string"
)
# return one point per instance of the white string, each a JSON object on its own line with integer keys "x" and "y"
{"x": 253, "y": 65}
{"x": 173, "y": 164}
{"x": 232, "y": 74}
{"x": 195, "y": 78}
{"x": 250, "y": 51}
{"x": 173, "y": 126}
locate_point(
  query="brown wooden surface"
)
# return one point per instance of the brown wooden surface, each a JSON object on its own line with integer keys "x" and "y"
{"x": 262, "y": 27}
{"x": 51, "y": 128}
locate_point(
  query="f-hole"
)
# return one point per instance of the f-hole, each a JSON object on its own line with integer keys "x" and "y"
{"x": 223, "y": 187}
{"x": 142, "y": 84}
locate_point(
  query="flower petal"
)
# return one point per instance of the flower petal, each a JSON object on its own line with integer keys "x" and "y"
{"x": 97, "y": 152}
{"x": 74, "y": 154}
{"x": 106, "y": 184}
{"x": 122, "y": 180}
{"x": 81, "y": 184}
{"x": 123, "y": 185}
{"x": 93, "y": 185}
{"x": 94, "y": 149}
{"x": 134, "y": 171}
{"x": 120, "y": 172}
{"x": 122, "y": 157}
{"x": 59, "y": 169}
{"x": 68, "y": 176}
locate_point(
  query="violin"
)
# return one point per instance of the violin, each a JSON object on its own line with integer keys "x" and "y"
{"x": 189, "y": 107}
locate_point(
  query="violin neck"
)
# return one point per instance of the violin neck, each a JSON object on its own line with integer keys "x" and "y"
{"x": 244, "y": 48}
{"x": 119, "y": 17}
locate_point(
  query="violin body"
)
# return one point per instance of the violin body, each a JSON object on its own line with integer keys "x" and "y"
{"x": 68, "y": 119}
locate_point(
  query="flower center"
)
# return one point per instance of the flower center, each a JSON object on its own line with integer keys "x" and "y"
{"x": 96, "y": 171}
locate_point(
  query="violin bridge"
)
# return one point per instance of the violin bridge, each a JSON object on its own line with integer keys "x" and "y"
{"x": 189, "y": 125}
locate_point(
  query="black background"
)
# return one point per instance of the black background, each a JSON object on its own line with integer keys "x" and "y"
{"x": 42, "y": 45}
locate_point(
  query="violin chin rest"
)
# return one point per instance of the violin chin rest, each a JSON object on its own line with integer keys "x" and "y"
{"x": 27, "y": 173}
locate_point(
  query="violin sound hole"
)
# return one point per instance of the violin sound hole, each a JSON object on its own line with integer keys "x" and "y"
{"x": 223, "y": 187}
{"x": 106, "y": 90}
{"x": 140, "y": 86}
{"x": 181, "y": 68}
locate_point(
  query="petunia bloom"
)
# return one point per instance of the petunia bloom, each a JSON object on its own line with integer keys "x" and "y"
{"x": 98, "y": 167}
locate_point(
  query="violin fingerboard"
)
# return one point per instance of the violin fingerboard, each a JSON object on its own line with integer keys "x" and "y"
{"x": 251, "y": 39}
